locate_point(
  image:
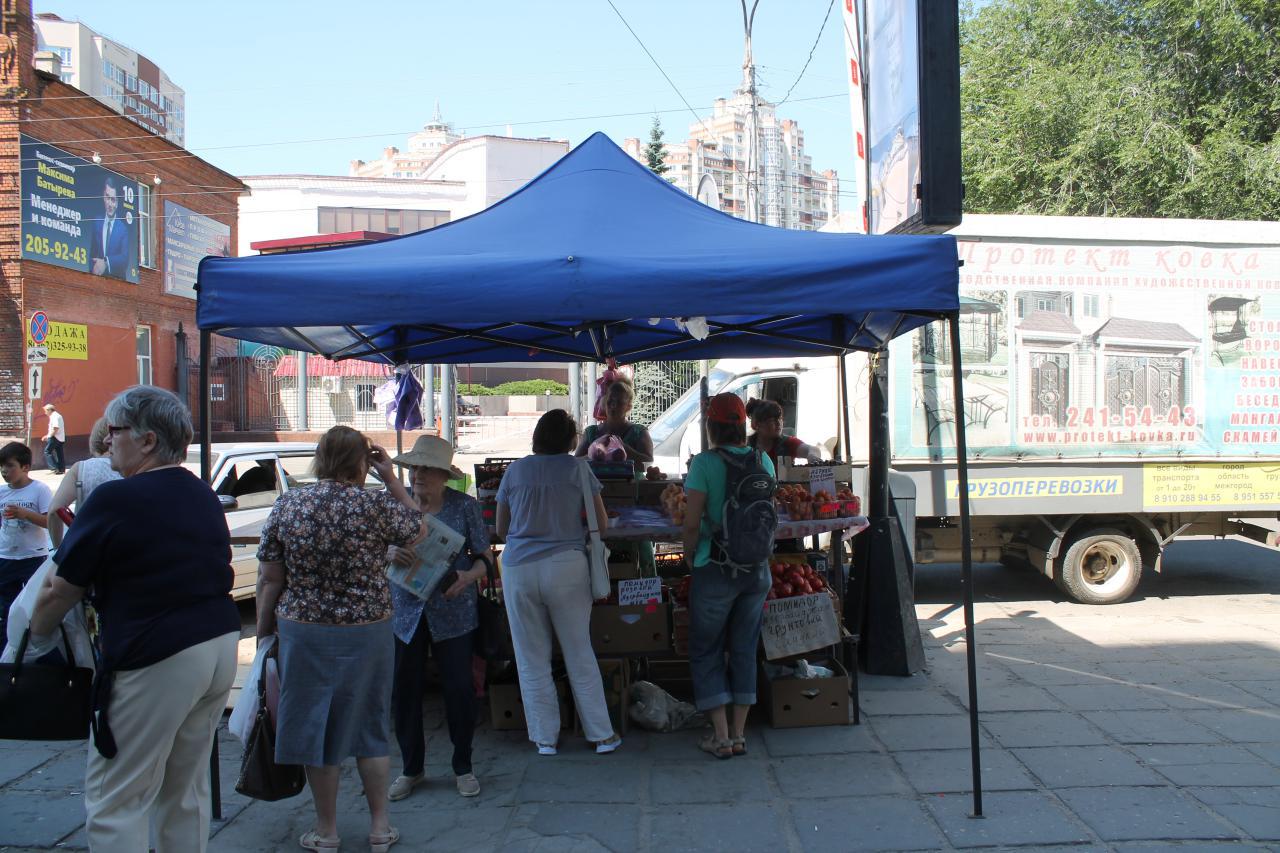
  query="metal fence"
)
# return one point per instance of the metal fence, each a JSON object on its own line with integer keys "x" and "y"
{"x": 658, "y": 384}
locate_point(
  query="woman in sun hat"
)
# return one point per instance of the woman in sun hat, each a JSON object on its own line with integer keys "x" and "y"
{"x": 443, "y": 624}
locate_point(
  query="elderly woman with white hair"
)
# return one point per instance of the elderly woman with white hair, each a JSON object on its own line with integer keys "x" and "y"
{"x": 155, "y": 549}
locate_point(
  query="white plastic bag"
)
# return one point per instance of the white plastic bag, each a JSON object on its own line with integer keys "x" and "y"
{"x": 20, "y": 618}
{"x": 240, "y": 723}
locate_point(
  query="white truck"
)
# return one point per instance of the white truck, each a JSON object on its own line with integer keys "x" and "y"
{"x": 1121, "y": 390}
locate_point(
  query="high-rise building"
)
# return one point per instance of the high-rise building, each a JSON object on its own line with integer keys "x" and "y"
{"x": 424, "y": 146}
{"x": 123, "y": 79}
{"x": 712, "y": 165}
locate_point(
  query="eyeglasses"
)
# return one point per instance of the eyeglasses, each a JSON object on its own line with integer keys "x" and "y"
{"x": 112, "y": 430}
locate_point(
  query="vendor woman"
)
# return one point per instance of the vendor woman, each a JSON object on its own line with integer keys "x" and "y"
{"x": 617, "y": 406}
{"x": 766, "y": 425}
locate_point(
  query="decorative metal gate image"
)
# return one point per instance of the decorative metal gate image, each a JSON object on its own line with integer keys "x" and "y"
{"x": 1049, "y": 385}
{"x": 1143, "y": 380}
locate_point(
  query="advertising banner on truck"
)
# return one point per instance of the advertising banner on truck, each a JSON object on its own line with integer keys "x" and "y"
{"x": 1074, "y": 350}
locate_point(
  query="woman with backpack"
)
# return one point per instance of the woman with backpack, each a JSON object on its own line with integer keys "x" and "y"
{"x": 729, "y": 556}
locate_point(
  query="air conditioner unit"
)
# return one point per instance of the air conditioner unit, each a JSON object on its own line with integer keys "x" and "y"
{"x": 331, "y": 384}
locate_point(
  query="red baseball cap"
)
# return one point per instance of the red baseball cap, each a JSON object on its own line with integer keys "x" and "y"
{"x": 726, "y": 408}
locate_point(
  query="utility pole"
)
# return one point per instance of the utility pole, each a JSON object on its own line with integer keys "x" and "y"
{"x": 753, "y": 131}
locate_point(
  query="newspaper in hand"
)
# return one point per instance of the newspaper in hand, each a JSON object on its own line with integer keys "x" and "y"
{"x": 435, "y": 553}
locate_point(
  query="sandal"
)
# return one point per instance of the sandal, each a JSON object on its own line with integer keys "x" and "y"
{"x": 719, "y": 748}
{"x": 379, "y": 842}
{"x": 312, "y": 840}
{"x": 739, "y": 745}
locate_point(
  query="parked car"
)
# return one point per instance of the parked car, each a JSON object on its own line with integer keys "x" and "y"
{"x": 248, "y": 478}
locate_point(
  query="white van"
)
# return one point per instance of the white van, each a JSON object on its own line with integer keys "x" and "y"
{"x": 806, "y": 388}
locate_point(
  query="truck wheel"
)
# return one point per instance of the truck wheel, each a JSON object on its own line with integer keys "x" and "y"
{"x": 1101, "y": 567}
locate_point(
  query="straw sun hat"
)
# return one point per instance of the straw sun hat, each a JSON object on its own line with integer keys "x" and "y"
{"x": 430, "y": 451}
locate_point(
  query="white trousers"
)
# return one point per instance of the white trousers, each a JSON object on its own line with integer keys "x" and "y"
{"x": 541, "y": 595}
{"x": 163, "y": 718}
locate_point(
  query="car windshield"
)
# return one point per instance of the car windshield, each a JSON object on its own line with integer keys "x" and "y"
{"x": 679, "y": 412}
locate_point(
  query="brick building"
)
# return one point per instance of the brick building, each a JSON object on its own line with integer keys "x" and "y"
{"x": 114, "y": 320}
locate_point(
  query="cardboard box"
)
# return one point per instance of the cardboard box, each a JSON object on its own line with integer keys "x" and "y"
{"x": 616, "y": 675}
{"x": 795, "y": 702}
{"x": 638, "y": 628}
{"x": 672, "y": 676}
{"x": 506, "y": 708}
{"x": 624, "y": 564}
{"x": 619, "y": 491}
{"x": 649, "y": 492}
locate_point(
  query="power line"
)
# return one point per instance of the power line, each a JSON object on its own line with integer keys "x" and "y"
{"x": 113, "y": 159}
{"x": 657, "y": 65}
{"x": 799, "y": 77}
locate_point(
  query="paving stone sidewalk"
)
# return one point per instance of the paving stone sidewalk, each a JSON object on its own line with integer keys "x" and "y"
{"x": 1155, "y": 726}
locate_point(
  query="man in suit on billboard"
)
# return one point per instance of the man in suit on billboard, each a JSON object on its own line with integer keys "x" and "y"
{"x": 109, "y": 252}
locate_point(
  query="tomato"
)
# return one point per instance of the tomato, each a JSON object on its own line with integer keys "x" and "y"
{"x": 794, "y": 577}
{"x": 784, "y": 590}
{"x": 777, "y": 569}
{"x": 818, "y": 584}
{"x": 771, "y": 596}
{"x": 804, "y": 588}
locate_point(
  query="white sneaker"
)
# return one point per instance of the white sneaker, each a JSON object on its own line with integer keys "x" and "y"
{"x": 468, "y": 785}
{"x": 403, "y": 787}
{"x": 605, "y": 747}
{"x": 546, "y": 749}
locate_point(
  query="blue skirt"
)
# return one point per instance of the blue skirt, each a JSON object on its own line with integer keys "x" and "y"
{"x": 335, "y": 692}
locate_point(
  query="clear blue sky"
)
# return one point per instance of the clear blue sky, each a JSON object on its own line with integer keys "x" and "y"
{"x": 270, "y": 84}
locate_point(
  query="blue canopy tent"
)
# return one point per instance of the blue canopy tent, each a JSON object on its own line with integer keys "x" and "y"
{"x": 596, "y": 257}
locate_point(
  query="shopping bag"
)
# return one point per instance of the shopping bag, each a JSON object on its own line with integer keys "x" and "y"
{"x": 495, "y": 630}
{"x": 240, "y": 723}
{"x": 260, "y": 776}
{"x": 597, "y": 552}
{"x": 44, "y": 701}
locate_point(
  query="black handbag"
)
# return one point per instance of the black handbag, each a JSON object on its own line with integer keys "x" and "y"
{"x": 45, "y": 701}
{"x": 260, "y": 776}
{"x": 495, "y": 631}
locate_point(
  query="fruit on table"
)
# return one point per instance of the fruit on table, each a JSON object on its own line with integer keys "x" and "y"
{"x": 673, "y": 503}
{"x": 654, "y": 473}
{"x": 790, "y": 579}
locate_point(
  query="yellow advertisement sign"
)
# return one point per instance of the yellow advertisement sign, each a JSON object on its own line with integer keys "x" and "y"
{"x": 65, "y": 340}
{"x": 1215, "y": 484}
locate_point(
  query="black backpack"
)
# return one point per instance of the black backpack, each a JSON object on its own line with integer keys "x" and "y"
{"x": 742, "y": 538}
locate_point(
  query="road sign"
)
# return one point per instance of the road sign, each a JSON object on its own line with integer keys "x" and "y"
{"x": 37, "y": 354}
{"x": 35, "y": 377}
{"x": 39, "y": 328}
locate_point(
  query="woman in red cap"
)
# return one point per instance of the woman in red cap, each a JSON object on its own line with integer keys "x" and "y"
{"x": 725, "y": 606}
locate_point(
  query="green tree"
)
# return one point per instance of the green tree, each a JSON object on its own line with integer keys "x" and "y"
{"x": 1165, "y": 108}
{"x": 655, "y": 153}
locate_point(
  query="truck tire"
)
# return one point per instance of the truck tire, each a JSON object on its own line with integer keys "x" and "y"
{"x": 1103, "y": 566}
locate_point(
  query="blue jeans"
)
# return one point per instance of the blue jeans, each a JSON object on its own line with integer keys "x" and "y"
{"x": 724, "y": 619}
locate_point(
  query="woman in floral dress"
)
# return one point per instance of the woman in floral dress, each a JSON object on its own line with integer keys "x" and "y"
{"x": 322, "y": 586}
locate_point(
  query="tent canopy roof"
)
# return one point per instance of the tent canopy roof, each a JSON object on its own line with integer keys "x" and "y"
{"x": 595, "y": 257}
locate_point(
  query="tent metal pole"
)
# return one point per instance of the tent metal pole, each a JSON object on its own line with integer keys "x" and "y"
{"x": 846, "y": 445}
{"x": 206, "y": 474}
{"x": 966, "y": 549}
{"x": 206, "y": 416}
